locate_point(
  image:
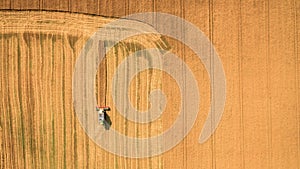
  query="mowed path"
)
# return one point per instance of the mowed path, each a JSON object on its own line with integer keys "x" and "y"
{"x": 258, "y": 44}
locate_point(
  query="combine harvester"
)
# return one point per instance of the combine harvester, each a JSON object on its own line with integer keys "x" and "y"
{"x": 103, "y": 118}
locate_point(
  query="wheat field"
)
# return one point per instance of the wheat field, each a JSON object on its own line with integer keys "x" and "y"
{"x": 257, "y": 42}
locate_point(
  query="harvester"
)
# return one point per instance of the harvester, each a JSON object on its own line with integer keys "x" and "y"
{"x": 103, "y": 117}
